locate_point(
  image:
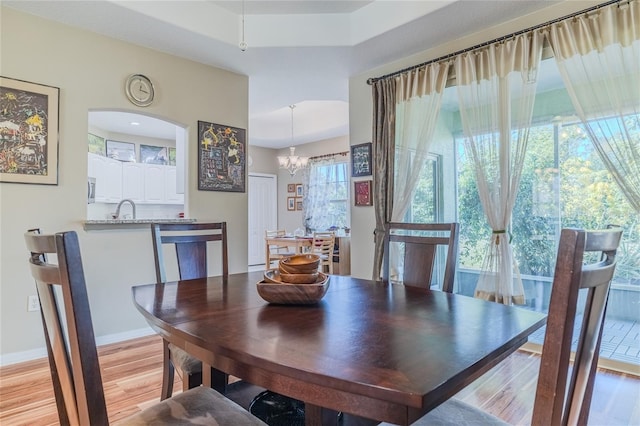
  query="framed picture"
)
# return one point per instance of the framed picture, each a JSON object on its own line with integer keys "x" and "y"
{"x": 28, "y": 132}
{"x": 298, "y": 203}
{"x": 151, "y": 154}
{"x": 299, "y": 190}
{"x": 96, "y": 145}
{"x": 221, "y": 157}
{"x": 291, "y": 187}
{"x": 362, "y": 191}
{"x": 291, "y": 203}
{"x": 123, "y": 151}
{"x": 361, "y": 160}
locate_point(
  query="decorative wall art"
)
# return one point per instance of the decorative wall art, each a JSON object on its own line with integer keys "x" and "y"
{"x": 221, "y": 157}
{"x": 28, "y": 132}
{"x": 299, "y": 190}
{"x": 122, "y": 151}
{"x": 299, "y": 203}
{"x": 361, "y": 160}
{"x": 291, "y": 203}
{"x": 363, "y": 193}
{"x": 151, "y": 154}
{"x": 291, "y": 187}
{"x": 96, "y": 145}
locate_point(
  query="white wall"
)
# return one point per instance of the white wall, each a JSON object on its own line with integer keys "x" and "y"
{"x": 361, "y": 107}
{"x": 90, "y": 71}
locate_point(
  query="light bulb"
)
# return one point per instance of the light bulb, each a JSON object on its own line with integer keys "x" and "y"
{"x": 243, "y": 45}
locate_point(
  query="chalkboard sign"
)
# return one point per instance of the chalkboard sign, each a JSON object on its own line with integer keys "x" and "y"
{"x": 221, "y": 157}
{"x": 361, "y": 160}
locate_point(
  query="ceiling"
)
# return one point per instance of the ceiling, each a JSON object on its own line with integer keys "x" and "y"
{"x": 300, "y": 52}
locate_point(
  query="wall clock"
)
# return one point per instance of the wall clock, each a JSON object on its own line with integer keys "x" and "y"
{"x": 139, "y": 90}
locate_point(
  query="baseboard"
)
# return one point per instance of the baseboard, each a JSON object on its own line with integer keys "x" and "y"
{"x": 17, "y": 357}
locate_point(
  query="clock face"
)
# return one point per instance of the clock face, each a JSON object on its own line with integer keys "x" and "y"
{"x": 139, "y": 90}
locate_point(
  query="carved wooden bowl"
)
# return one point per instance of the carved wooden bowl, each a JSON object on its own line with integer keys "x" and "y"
{"x": 300, "y": 264}
{"x": 294, "y": 294}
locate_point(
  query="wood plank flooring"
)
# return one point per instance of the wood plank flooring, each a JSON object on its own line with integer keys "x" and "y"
{"x": 131, "y": 374}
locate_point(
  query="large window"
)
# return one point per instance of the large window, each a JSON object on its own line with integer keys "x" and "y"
{"x": 327, "y": 200}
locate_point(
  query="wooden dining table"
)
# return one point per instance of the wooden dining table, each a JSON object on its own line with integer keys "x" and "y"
{"x": 299, "y": 243}
{"x": 371, "y": 349}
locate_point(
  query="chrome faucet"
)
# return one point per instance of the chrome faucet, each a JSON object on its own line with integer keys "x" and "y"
{"x": 116, "y": 215}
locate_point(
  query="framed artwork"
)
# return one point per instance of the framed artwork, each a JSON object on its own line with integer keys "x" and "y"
{"x": 97, "y": 145}
{"x": 291, "y": 187}
{"x": 361, "y": 160}
{"x": 363, "y": 193}
{"x": 28, "y": 132}
{"x": 123, "y": 151}
{"x": 298, "y": 203}
{"x": 291, "y": 203}
{"x": 221, "y": 157}
{"x": 299, "y": 190}
{"x": 151, "y": 154}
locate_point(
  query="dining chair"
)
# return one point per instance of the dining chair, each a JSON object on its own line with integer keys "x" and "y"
{"x": 323, "y": 245}
{"x": 556, "y": 403}
{"x": 275, "y": 252}
{"x": 190, "y": 242}
{"x": 73, "y": 356}
{"x": 416, "y": 260}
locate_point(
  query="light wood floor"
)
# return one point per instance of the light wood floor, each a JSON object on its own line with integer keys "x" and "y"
{"x": 131, "y": 372}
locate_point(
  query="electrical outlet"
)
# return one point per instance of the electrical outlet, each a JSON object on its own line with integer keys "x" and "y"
{"x": 33, "y": 303}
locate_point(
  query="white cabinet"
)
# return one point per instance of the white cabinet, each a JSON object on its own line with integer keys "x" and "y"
{"x": 142, "y": 183}
{"x": 171, "y": 195}
{"x": 154, "y": 184}
{"x": 108, "y": 174}
{"x": 133, "y": 181}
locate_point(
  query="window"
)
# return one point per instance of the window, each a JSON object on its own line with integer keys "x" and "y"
{"x": 327, "y": 201}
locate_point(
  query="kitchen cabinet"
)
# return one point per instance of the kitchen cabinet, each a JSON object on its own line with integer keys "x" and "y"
{"x": 108, "y": 174}
{"x": 133, "y": 182}
{"x": 140, "y": 182}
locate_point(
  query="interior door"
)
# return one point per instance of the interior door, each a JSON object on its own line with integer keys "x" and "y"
{"x": 263, "y": 213}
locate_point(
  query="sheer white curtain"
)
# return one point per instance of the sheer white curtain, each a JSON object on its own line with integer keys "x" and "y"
{"x": 496, "y": 88}
{"x": 598, "y": 55}
{"x": 419, "y": 98}
{"x": 321, "y": 189}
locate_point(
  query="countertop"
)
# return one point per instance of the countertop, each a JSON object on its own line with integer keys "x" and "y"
{"x": 100, "y": 224}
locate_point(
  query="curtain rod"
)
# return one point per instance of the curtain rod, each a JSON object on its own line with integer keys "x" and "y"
{"x": 372, "y": 80}
{"x": 319, "y": 157}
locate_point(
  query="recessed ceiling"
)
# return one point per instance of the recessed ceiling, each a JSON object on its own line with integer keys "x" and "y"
{"x": 300, "y": 51}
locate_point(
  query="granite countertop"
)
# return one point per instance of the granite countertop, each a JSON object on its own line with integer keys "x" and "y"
{"x": 97, "y": 224}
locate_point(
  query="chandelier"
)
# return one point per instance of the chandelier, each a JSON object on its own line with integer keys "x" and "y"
{"x": 293, "y": 163}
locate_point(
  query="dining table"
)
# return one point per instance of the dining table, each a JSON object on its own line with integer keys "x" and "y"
{"x": 372, "y": 349}
{"x": 300, "y": 244}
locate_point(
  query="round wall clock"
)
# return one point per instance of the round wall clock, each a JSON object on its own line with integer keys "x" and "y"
{"x": 139, "y": 90}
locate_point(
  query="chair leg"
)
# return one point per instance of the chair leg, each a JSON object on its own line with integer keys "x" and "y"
{"x": 190, "y": 381}
{"x": 167, "y": 372}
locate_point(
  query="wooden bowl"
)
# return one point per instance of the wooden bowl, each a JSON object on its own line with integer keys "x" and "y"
{"x": 279, "y": 277}
{"x": 302, "y": 262}
{"x": 288, "y": 269}
{"x": 294, "y": 294}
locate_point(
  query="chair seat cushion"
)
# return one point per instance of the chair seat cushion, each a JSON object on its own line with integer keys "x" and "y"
{"x": 197, "y": 406}
{"x": 456, "y": 412}
{"x": 181, "y": 359}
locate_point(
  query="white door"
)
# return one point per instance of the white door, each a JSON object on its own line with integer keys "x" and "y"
{"x": 263, "y": 213}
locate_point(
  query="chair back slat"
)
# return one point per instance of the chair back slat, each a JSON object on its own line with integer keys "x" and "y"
{"x": 75, "y": 370}
{"x": 191, "y": 242}
{"x": 420, "y": 252}
{"x": 555, "y": 402}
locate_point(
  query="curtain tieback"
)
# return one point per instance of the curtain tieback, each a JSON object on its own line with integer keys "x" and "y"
{"x": 502, "y": 231}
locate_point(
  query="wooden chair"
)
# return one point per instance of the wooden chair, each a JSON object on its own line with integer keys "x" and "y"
{"x": 322, "y": 245}
{"x": 420, "y": 252}
{"x": 275, "y": 252}
{"x": 555, "y": 402}
{"x": 190, "y": 242}
{"x": 73, "y": 357}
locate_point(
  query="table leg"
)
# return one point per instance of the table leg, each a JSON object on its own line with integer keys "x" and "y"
{"x": 312, "y": 415}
